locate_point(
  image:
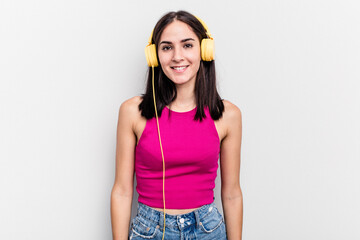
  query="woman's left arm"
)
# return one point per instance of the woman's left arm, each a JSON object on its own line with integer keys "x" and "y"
{"x": 231, "y": 195}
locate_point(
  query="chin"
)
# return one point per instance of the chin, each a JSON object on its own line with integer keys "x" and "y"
{"x": 180, "y": 81}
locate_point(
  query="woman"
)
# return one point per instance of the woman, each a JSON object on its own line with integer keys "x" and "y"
{"x": 176, "y": 172}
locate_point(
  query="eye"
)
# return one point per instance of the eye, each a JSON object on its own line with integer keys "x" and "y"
{"x": 188, "y": 45}
{"x": 166, "y": 48}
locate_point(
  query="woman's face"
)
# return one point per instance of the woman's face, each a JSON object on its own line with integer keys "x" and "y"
{"x": 179, "y": 53}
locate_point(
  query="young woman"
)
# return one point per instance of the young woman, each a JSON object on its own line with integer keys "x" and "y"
{"x": 176, "y": 172}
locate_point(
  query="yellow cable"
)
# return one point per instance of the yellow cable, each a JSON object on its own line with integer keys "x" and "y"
{"x": 162, "y": 154}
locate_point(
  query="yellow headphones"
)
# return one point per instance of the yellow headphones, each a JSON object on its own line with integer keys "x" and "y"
{"x": 207, "y": 48}
{"x": 207, "y": 54}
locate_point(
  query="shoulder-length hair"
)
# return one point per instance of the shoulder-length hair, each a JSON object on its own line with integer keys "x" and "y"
{"x": 206, "y": 93}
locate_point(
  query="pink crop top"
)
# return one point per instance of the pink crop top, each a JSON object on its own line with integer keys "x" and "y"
{"x": 191, "y": 152}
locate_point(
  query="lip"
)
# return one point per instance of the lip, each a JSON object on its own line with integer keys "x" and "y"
{"x": 183, "y": 68}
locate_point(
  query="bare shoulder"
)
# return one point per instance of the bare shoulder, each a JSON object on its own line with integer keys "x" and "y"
{"x": 129, "y": 109}
{"x": 131, "y": 104}
{"x": 231, "y": 112}
{"x": 232, "y": 119}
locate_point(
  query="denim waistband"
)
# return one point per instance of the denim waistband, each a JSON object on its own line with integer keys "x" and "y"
{"x": 175, "y": 221}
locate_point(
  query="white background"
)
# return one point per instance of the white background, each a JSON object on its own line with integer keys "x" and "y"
{"x": 292, "y": 67}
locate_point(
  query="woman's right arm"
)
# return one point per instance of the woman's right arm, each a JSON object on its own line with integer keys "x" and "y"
{"x": 122, "y": 192}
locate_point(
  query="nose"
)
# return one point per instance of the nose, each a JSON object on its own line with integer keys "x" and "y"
{"x": 177, "y": 56}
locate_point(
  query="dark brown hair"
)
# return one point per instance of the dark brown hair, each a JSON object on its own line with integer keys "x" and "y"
{"x": 165, "y": 90}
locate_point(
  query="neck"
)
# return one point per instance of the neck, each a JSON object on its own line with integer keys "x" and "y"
{"x": 185, "y": 98}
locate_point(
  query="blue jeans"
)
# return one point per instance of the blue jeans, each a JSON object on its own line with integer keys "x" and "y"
{"x": 203, "y": 223}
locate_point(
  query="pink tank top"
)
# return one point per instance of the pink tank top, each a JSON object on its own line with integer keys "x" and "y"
{"x": 191, "y": 152}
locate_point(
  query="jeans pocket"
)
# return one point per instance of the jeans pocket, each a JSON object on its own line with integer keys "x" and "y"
{"x": 143, "y": 228}
{"x": 211, "y": 221}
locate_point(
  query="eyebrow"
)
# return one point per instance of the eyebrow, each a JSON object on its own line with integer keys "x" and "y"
{"x": 184, "y": 40}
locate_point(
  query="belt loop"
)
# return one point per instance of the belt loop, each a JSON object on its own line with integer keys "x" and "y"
{"x": 138, "y": 208}
{"x": 161, "y": 220}
{"x": 197, "y": 218}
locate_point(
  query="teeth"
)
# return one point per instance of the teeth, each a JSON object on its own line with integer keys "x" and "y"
{"x": 179, "y": 68}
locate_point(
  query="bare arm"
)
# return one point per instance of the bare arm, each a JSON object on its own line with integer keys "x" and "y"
{"x": 231, "y": 194}
{"x": 122, "y": 192}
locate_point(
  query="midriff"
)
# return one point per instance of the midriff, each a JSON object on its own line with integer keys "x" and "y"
{"x": 175, "y": 211}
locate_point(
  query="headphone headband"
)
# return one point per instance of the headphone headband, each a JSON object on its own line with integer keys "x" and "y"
{"x": 150, "y": 38}
{"x": 207, "y": 47}
{"x": 205, "y": 26}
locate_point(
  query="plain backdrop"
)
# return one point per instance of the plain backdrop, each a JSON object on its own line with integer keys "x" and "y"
{"x": 291, "y": 66}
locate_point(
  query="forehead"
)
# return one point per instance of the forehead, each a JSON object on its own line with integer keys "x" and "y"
{"x": 176, "y": 31}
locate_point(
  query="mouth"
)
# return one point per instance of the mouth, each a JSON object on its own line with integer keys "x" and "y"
{"x": 179, "y": 69}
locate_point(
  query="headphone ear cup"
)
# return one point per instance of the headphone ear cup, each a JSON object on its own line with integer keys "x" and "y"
{"x": 150, "y": 54}
{"x": 207, "y": 49}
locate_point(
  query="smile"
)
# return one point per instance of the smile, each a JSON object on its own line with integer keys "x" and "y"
{"x": 180, "y": 68}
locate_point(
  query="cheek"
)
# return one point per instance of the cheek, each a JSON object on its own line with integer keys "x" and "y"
{"x": 196, "y": 61}
{"x": 163, "y": 59}
{"x": 194, "y": 56}
{"x": 197, "y": 67}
